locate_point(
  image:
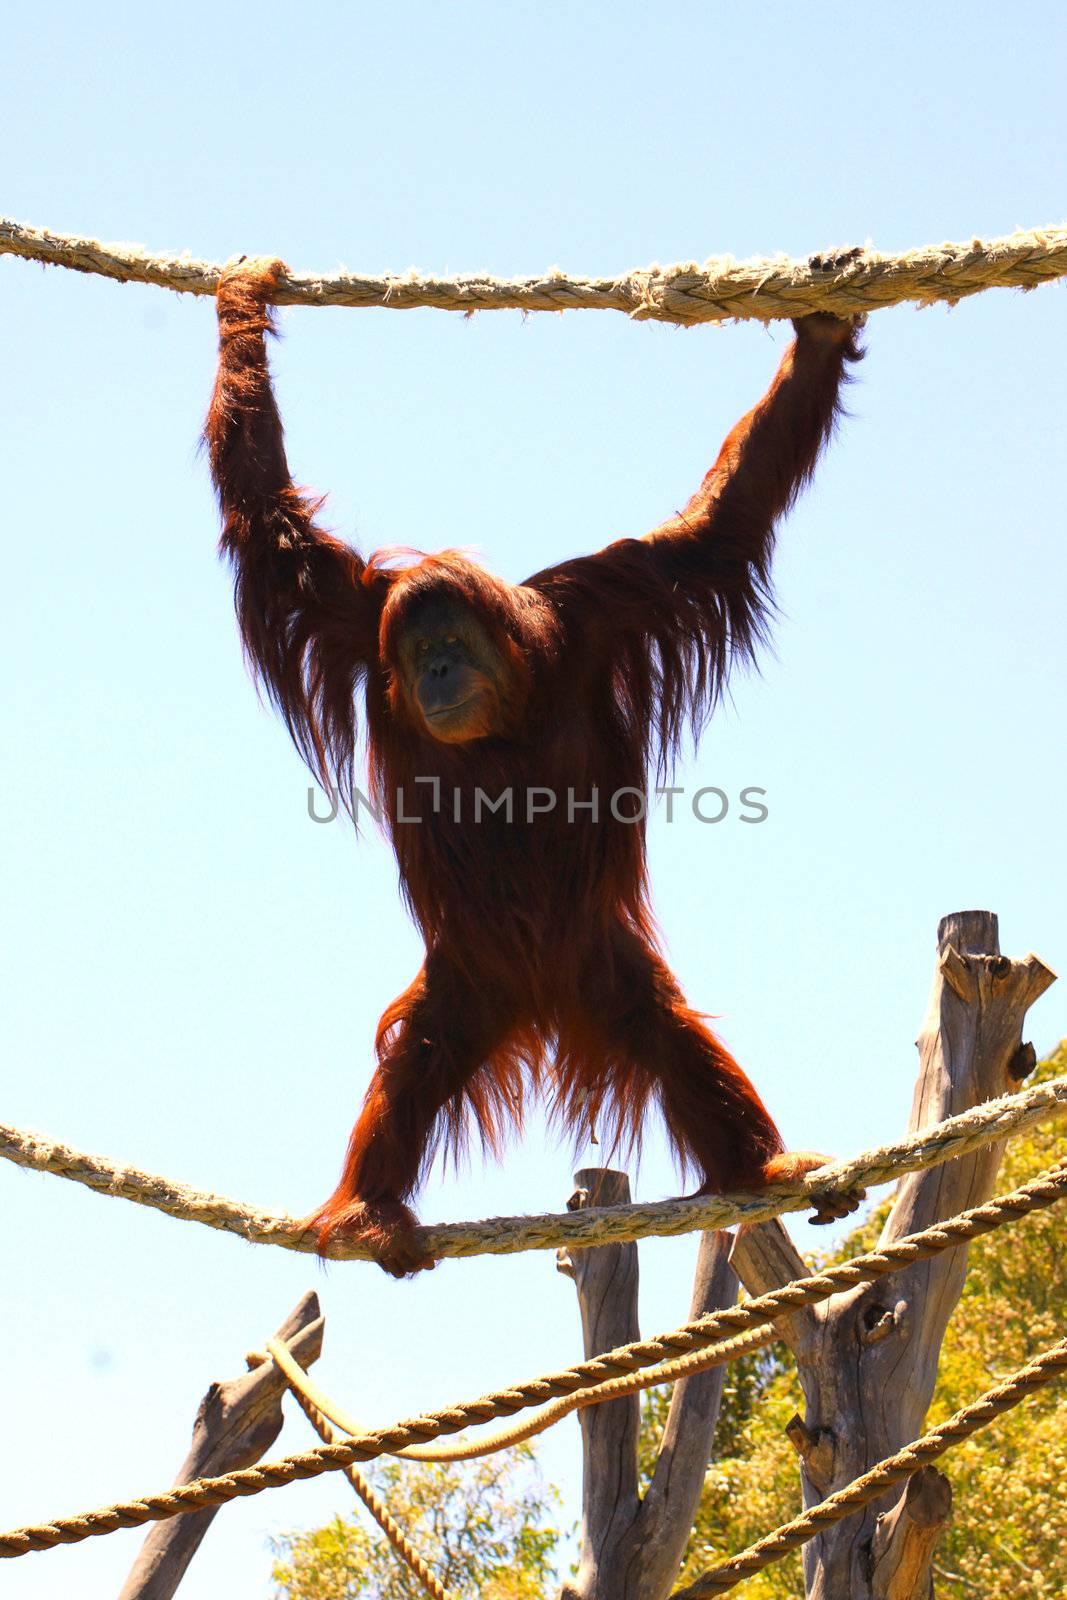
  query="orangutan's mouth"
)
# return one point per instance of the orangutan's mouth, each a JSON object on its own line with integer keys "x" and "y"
{"x": 446, "y": 711}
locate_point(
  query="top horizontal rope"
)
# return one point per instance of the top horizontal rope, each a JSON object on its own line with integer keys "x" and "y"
{"x": 844, "y": 282}
{"x": 957, "y": 1136}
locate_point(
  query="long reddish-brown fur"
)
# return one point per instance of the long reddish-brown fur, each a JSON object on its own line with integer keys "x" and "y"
{"x": 539, "y": 937}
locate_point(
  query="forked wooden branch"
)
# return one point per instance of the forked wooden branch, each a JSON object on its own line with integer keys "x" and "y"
{"x": 236, "y": 1425}
{"x": 868, "y": 1358}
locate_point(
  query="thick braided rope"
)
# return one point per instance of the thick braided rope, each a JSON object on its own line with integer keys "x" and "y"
{"x": 579, "y": 1230}
{"x": 1035, "y": 1375}
{"x": 309, "y": 1394}
{"x": 698, "y": 1335}
{"x": 377, "y": 1507}
{"x": 844, "y": 282}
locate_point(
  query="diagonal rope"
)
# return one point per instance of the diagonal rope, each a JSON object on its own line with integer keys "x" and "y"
{"x": 309, "y": 1394}
{"x": 844, "y": 282}
{"x": 1044, "y": 1369}
{"x": 1041, "y": 1192}
{"x": 402, "y": 1545}
{"x": 579, "y": 1230}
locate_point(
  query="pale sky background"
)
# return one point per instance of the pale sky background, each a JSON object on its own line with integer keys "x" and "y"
{"x": 192, "y": 969}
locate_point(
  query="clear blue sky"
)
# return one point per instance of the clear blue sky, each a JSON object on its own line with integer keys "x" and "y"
{"x": 192, "y": 970}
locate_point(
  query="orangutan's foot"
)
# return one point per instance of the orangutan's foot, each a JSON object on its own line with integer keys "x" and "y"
{"x": 388, "y": 1229}
{"x": 793, "y": 1165}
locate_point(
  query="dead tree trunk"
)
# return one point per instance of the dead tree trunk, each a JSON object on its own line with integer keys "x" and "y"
{"x": 236, "y": 1424}
{"x": 632, "y": 1545}
{"x": 868, "y": 1359}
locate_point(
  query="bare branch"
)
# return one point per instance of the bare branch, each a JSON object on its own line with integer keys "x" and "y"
{"x": 236, "y": 1425}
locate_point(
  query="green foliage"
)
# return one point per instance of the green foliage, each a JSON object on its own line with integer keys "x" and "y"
{"x": 481, "y": 1526}
{"x": 1006, "y": 1537}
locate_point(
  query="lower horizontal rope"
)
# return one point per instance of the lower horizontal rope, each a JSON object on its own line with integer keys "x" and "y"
{"x": 1044, "y": 1369}
{"x": 1041, "y": 1192}
{"x": 988, "y": 1123}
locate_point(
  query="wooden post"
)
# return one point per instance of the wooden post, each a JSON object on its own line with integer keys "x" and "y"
{"x": 907, "y": 1535}
{"x": 868, "y": 1358}
{"x": 606, "y": 1280}
{"x": 236, "y": 1425}
{"x": 632, "y": 1547}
